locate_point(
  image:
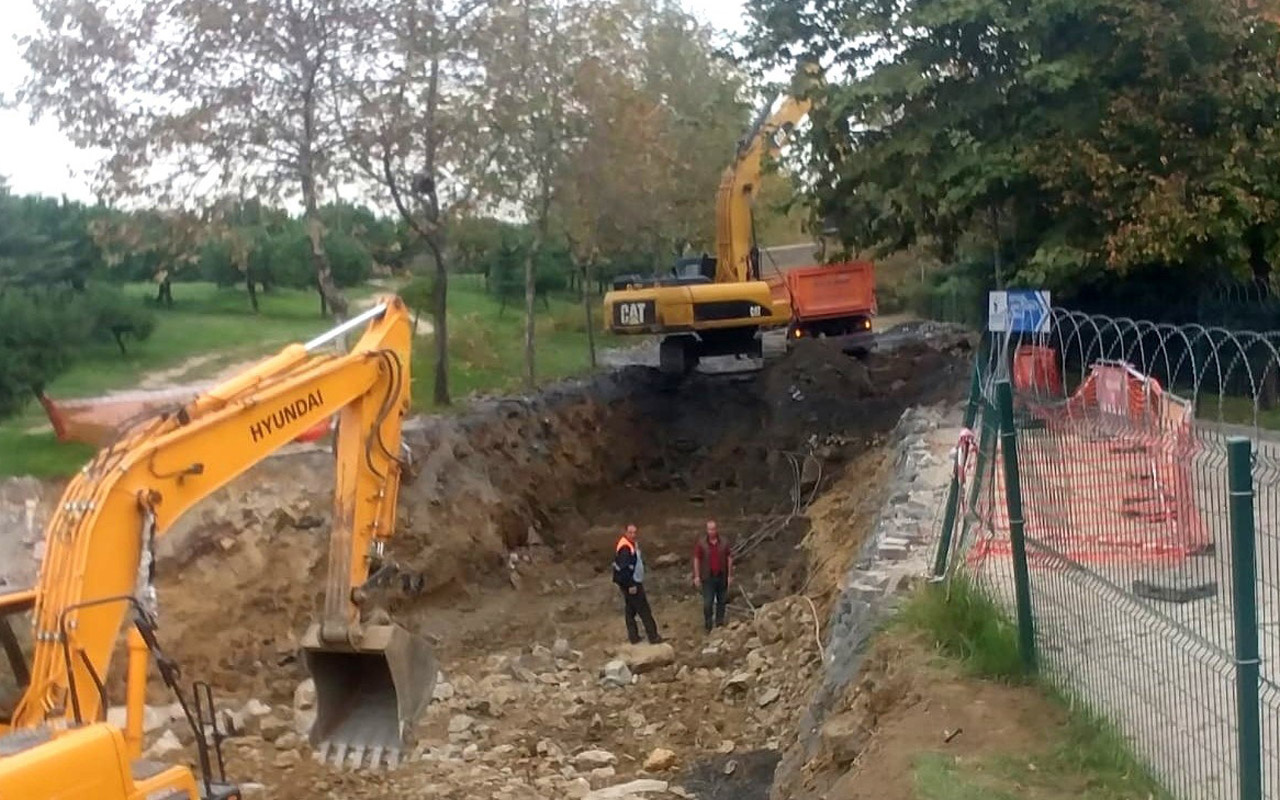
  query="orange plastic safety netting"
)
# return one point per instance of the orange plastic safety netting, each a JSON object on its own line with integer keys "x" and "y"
{"x": 1106, "y": 476}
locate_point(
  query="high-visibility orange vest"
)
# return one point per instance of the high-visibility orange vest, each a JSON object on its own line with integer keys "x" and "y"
{"x": 638, "y": 574}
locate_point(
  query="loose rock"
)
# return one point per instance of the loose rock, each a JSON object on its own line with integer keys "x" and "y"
{"x": 591, "y": 759}
{"x": 257, "y": 708}
{"x": 286, "y": 759}
{"x": 164, "y": 747}
{"x": 844, "y": 738}
{"x": 659, "y": 760}
{"x": 642, "y": 658}
{"x": 624, "y": 791}
{"x": 304, "y": 697}
{"x": 272, "y": 727}
{"x": 616, "y": 673}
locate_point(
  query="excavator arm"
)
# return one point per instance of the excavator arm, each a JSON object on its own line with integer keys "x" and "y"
{"x": 372, "y": 679}
{"x": 735, "y": 238}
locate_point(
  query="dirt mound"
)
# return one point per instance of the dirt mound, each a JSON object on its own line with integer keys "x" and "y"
{"x": 813, "y": 367}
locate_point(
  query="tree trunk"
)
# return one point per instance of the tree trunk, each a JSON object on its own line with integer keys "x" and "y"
{"x": 330, "y": 297}
{"x": 329, "y": 294}
{"x": 586, "y": 306}
{"x": 530, "y": 296}
{"x": 1268, "y": 388}
{"x": 164, "y": 292}
{"x": 250, "y": 284}
{"x": 439, "y": 315}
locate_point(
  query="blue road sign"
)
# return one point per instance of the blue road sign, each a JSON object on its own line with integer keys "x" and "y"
{"x": 1028, "y": 311}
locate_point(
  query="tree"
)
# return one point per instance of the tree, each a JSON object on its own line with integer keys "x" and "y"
{"x": 525, "y": 61}
{"x": 1064, "y": 144}
{"x": 155, "y": 245}
{"x": 192, "y": 95}
{"x": 50, "y": 308}
{"x": 415, "y": 124}
{"x": 622, "y": 119}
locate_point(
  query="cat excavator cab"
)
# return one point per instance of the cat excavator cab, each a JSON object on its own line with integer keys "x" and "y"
{"x": 372, "y": 676}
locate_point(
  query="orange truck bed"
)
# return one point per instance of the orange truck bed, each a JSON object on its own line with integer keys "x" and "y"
{"x": 833, "y": 291}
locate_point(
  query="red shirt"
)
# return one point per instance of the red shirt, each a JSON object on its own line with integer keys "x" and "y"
{"x": 712, "y": 558}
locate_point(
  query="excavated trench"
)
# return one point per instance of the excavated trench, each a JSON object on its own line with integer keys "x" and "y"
{"x": 507, "y": 526}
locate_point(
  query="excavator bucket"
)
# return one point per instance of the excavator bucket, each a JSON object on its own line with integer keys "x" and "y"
{"x": 369, "y": 695}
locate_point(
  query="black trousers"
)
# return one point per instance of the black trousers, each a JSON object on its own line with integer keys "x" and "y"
{"x": 715, "y": 591}
{"x": 637, "y": 605}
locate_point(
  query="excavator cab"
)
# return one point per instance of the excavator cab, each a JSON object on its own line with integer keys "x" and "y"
{"x": 370, "y": 691}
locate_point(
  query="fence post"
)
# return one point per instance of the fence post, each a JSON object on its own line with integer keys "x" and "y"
{"x": 953, "y": 493}
{"x": 1017, "y": 532}
{"x": 1244, "y": 583}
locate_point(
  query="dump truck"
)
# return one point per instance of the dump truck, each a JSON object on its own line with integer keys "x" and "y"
{"x": 833, "y": 302}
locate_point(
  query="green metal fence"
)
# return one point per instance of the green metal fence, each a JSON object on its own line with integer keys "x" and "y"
{"x": 1118, "y": 491}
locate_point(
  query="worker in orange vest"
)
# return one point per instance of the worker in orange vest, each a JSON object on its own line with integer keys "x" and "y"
{"x": 628, "y": 574}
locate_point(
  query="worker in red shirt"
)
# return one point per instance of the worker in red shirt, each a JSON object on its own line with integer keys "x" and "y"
{"x": 712, "y": 568}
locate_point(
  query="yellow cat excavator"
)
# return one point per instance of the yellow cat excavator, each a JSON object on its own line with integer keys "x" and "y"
{"x": 372, "y": 676}
{"x": 717, "y": 306}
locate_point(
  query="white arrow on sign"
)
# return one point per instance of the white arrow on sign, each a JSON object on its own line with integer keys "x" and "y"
{"x": 1029, "y": 311}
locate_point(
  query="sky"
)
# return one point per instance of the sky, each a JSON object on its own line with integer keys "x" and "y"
{"x": 38, "y": 159}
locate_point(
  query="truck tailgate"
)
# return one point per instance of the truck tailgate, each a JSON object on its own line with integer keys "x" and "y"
{"x": 833, "y": 290}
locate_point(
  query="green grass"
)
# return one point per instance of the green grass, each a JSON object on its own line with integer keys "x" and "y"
{"x": 204, "y": 319}
{"x": 1086, "y": 760}
{"x": 966, "y": 626}
{"x": 1236, "y": 411}
{"x": 1088, "y": 757}
{"x": 486, "y": 344}
{"x": 940, "y": 777}
{"x": 39, "y": 455}
{"x": 218, "y": 327}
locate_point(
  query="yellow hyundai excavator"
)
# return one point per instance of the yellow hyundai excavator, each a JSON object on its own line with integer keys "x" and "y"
{"x": 372, "y": 677}
{"x": 716, "y": 306}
